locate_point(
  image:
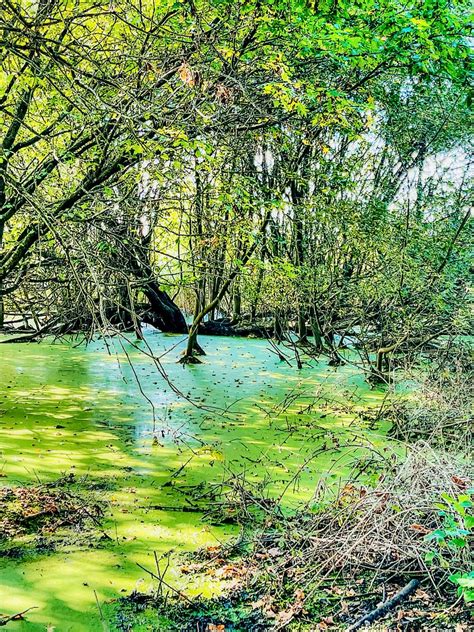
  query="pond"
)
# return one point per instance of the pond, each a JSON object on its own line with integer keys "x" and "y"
{"x": 107, "y": 412}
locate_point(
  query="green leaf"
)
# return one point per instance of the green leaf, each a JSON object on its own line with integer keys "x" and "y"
{"x": 430, "y": 556}
{"x": 469, "y": 522}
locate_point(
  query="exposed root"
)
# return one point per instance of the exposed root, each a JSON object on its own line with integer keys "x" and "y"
{"x": 189, "y": 359}
{"x": 198, "y": 350}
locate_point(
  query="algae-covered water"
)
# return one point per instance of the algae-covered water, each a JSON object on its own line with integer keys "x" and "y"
{"x": 86, "y": 410}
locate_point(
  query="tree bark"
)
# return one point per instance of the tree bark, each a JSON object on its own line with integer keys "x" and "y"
{"x": 164, "y": 314}
{"x": 236, "y": 302}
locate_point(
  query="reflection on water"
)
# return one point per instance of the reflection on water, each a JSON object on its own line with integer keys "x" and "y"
{"x": 65, "y": 408}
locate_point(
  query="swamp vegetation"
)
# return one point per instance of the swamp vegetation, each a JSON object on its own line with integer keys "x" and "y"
{"x": 236, "y": 315}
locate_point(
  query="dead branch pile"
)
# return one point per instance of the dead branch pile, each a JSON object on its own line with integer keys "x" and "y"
{"x": 344, "y": 559}
{"x": 380, "y": 531}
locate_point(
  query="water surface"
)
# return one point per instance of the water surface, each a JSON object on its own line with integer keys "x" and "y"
{"x": 66, "y": 408}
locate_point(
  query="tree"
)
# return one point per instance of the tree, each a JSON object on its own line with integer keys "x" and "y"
{"x": 96, "y": 101}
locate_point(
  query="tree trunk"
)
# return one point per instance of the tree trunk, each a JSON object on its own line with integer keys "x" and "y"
{"x": 2, "y": 309}
{"x": 317, "y": 333}
{"x": 189, "y": 357}
{"x": 298, "y": 191}
{"x": 236, "y": 302}
{"x": 258, "y": 289}
{"x": 278, "y": 329}
{"x": 302, "y": 331}
{"x": 380, "y": 373}
{"x": 165, "y": 314}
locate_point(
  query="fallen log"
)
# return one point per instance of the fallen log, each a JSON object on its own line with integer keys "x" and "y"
{"x": 225, "y": 327}
{"x": 382, "y": 610}
{"x": 46, "y": 329}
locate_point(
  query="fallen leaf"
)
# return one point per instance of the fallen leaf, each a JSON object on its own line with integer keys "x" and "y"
{"x": 460, "y": 482}
{"x": 422, "y": 595}
{"x": 299, "y": 594}
{"x": 326, "y": 623}
{"x": 420, "y": 528}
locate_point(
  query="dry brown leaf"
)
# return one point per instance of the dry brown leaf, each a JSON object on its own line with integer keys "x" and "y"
{"x": 186, "y": 74}
{"x": 285, "y": 616}
{"x": 422, "y": 595}
{"x": 227, "y": 572}
{"x": 299, "y": 594}
{"x": 460, "y": 482}
{"x": 420, "y": 528}
{"x": 325, "y": 624}
{"x": 223, "y": 93}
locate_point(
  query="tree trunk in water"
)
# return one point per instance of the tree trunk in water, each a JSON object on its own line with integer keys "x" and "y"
{"x": 253, "y": 312}
{"x": 335, "y": 359}
{"x": 278, "y": 329}
{"x": 236, "y": 303}
{"x": 318, "y": 337}
{"x": 302, "y": 331}
{"x": 380, "y": 373}
{"x": 165, "y": 314}
{"x": 298, "y": 191}
{"x": 193, "y": 343}
{"x": 189, "y": 357}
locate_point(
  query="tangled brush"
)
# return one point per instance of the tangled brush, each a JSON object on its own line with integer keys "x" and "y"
{"x": 384, "y": 532}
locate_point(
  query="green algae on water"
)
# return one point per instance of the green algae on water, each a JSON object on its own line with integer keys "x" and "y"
{"x": 68, "y": 409}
